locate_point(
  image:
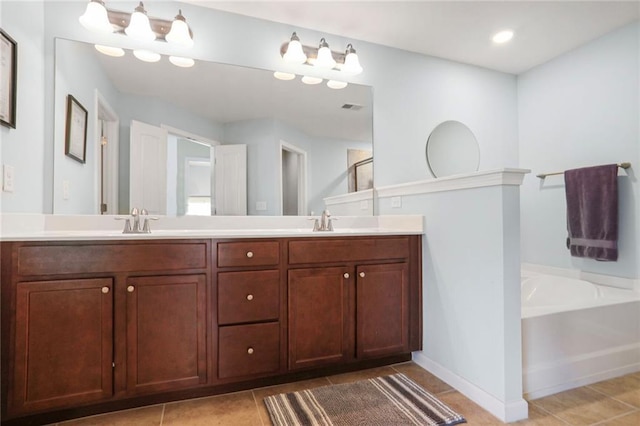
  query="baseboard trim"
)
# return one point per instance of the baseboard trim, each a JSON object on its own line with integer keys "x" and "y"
{"x": 506, "y": 412}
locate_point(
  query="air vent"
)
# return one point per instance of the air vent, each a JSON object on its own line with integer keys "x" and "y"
{"x": 352, "y": 107}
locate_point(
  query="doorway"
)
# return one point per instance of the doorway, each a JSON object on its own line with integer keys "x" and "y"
{"x": 293, "y": 180}
{"x": 106, "y": 137}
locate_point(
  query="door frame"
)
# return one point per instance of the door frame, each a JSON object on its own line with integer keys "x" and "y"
{"x": 105, "y": 112}
{"x": 302, "y": 176}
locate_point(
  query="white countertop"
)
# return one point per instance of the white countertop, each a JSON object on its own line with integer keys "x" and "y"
{"x": 33, "y": 227}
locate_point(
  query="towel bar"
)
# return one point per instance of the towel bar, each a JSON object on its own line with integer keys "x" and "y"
{"x": 544, "y": 175}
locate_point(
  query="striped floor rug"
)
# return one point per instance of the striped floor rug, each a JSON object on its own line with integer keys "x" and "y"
{"x": 384, "y": 401}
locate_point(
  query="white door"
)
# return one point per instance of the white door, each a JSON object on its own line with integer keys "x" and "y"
{"x": 148, "y": 168}
{"x": 230, "y": 180}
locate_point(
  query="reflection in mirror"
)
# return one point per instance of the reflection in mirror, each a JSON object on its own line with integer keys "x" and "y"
{"x": 452, "y": 149}
{"x": 211, "y": 139}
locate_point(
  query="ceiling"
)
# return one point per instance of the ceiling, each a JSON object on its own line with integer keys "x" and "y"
{"x": 455, "y": 30}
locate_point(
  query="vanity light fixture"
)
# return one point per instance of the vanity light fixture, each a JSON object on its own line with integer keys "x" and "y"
{"x": 321, "y": 57}
{"x": 294, "y": 53}
{"x": 146, "y": 55}
{"x": 284, "y": 75}
{"x": 181, "y": 62}
{"x": 335, "y": 84}
{"x": 137, "y": 25}
{"x": 502, "y": 36}
{"x": 110, "y": 50}
{"x": 311, "y": 80}
{"x": 95, "y": 17}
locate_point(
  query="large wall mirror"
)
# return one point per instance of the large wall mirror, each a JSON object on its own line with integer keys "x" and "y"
{"x": 210, "y": 139}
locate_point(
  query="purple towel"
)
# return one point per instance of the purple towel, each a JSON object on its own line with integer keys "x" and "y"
{"x": 592, "y": 212}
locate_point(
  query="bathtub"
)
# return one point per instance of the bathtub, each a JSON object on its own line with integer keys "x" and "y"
{"x": 575, "y": 333}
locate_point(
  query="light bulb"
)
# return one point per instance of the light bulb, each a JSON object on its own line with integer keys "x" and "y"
{"x": 334, "y": 84}
{"x": 139, "y": 27}
{"x": 284, "y": 75}
{"x": 146, "y": 55}
{"x": 295, "y": 53}
{"x": 181, "y": 62}
{"x": 179, "y": 33}
{"x": 110, "y": 50}
{"x": 503, "y": 36}
{"x": 351, "y": 63}
{"x": 325, "y": 58}
{"x": 311, "y": 80}
{"x": 95, "y": 17}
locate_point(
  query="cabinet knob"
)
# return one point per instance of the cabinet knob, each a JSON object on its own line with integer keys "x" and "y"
{"x": 249, "y": 296}
{"x": 105, "y": 290}
{"x": 346, "y": 275}
{"x": 130, "y": 289}
{"x": 362, "y": 274}
{"x": 249, "y": 254}
{"x": 250, "y": 351}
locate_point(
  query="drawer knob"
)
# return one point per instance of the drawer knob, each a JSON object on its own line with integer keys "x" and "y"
{"x": 105, "y": 290}
{"x": 130, "y": 289}
{"x": 346, "y": 275}
{"x": 249, "y": 254}
{"x": 362, "y": 274}
{"x": 249, "y": 296}
{"x": 250, "y": 351}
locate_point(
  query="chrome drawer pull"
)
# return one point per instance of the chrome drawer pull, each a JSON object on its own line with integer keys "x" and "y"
{"x": 250, "y": 351}
{"x": 105, "y": 290}
{"x": 130, "y": 289}
{"x": 249, "y": 254}
{"x": 346, "y": 275}
{"x": 249, "y": 296}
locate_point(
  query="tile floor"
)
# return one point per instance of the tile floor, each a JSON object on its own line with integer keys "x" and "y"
{"x": 613, "y": 402}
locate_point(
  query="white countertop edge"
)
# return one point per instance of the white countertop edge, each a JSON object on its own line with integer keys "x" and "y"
{"x": 33, "y": 227}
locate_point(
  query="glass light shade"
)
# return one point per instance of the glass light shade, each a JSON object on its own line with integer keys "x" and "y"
{"x": 334, "y": 84}
{"x": 311, "y": 80}
{"x": 139, "y": 27}
{"x": 179, "y": 33}
{"x": 181, "y": 62}
{"x": 351, "y": 64}
{"x": 294, "y": 53}
{"x": 325, "y": 58}
{"x": 503, "y": 36}
{"x": 146, "y": 55}
{"x": 110, "y": 50}
{"x": 284, "y": 75}
{"x": 95, "y": 18}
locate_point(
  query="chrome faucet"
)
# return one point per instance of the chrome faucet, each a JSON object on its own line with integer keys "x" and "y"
{"x": 324, "y": 223}
{"x": 135, "y": 228}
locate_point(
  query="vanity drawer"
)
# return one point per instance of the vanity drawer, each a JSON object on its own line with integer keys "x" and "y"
{"x": 248, "y": 296}
{"x": 246, "y": 350}
{"x": 348, "y": 250}
{"x": 249, "y": 253}
{"x": 90, "y": 258}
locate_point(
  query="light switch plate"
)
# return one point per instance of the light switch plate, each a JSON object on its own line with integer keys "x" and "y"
{"x": 364, "y": 204}
{"x": 65, "y": 190}
{"x": 7, "y": 178}
{"x": 261, "y": 206}
{"x": 396, "y": 202}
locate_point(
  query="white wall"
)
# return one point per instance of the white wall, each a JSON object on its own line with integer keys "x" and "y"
{"x": 23, "y": 147}
{"x": 581, "y": 109}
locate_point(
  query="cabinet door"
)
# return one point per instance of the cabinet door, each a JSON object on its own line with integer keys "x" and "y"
{"x": 166, "y": 346}
{"x": 319, "y": 312}
{"x": 64, "y": 343}
{"x": 382, "y": 308}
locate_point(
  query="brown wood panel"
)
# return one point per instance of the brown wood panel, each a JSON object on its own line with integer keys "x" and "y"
{"x": 319, "y": 316}
{"x": 382, "y": 306}
{"x": 166, "y": 334}
{"x": 415, "y": 294}
{"x": 347, "y": 250}
{"x": 246, "y": 350}
{"x": 64, "y": 344}
{"x": 248, "y": 253}
{"x": 95, "y": 258}
{"x": 249, "y": 296}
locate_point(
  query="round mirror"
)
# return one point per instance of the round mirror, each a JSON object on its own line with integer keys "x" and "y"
{"x": 452, "y": 149}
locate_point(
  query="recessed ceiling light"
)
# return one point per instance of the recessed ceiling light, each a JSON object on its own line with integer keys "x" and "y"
{"x": 146, "y": 55}
{"x": 179, "y": 61}
{"x": 311, "y": 80}
{"x": 284, "y": 75}
{"x": 334, "y": 84}
{"x": 109, "y": 50}
{"x": 503, "y": 36}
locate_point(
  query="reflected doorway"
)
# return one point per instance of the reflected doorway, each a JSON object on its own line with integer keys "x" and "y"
{"x": 293, "y": 180}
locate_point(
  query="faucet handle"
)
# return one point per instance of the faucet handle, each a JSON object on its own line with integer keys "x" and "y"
{"x": 144, "y": 212}
{"x": 146, "y": 227}
{"x": 330, "y": 223}
{"x": 127, "y": 225}
{"x": 316, "y": 224}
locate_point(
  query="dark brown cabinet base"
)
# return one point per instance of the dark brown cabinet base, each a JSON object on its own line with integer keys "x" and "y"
{"x": 90, "y": 327}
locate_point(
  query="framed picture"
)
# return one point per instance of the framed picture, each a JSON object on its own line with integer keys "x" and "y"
{"x": 8, "y": 77}
{"x": 75, "y": 145}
